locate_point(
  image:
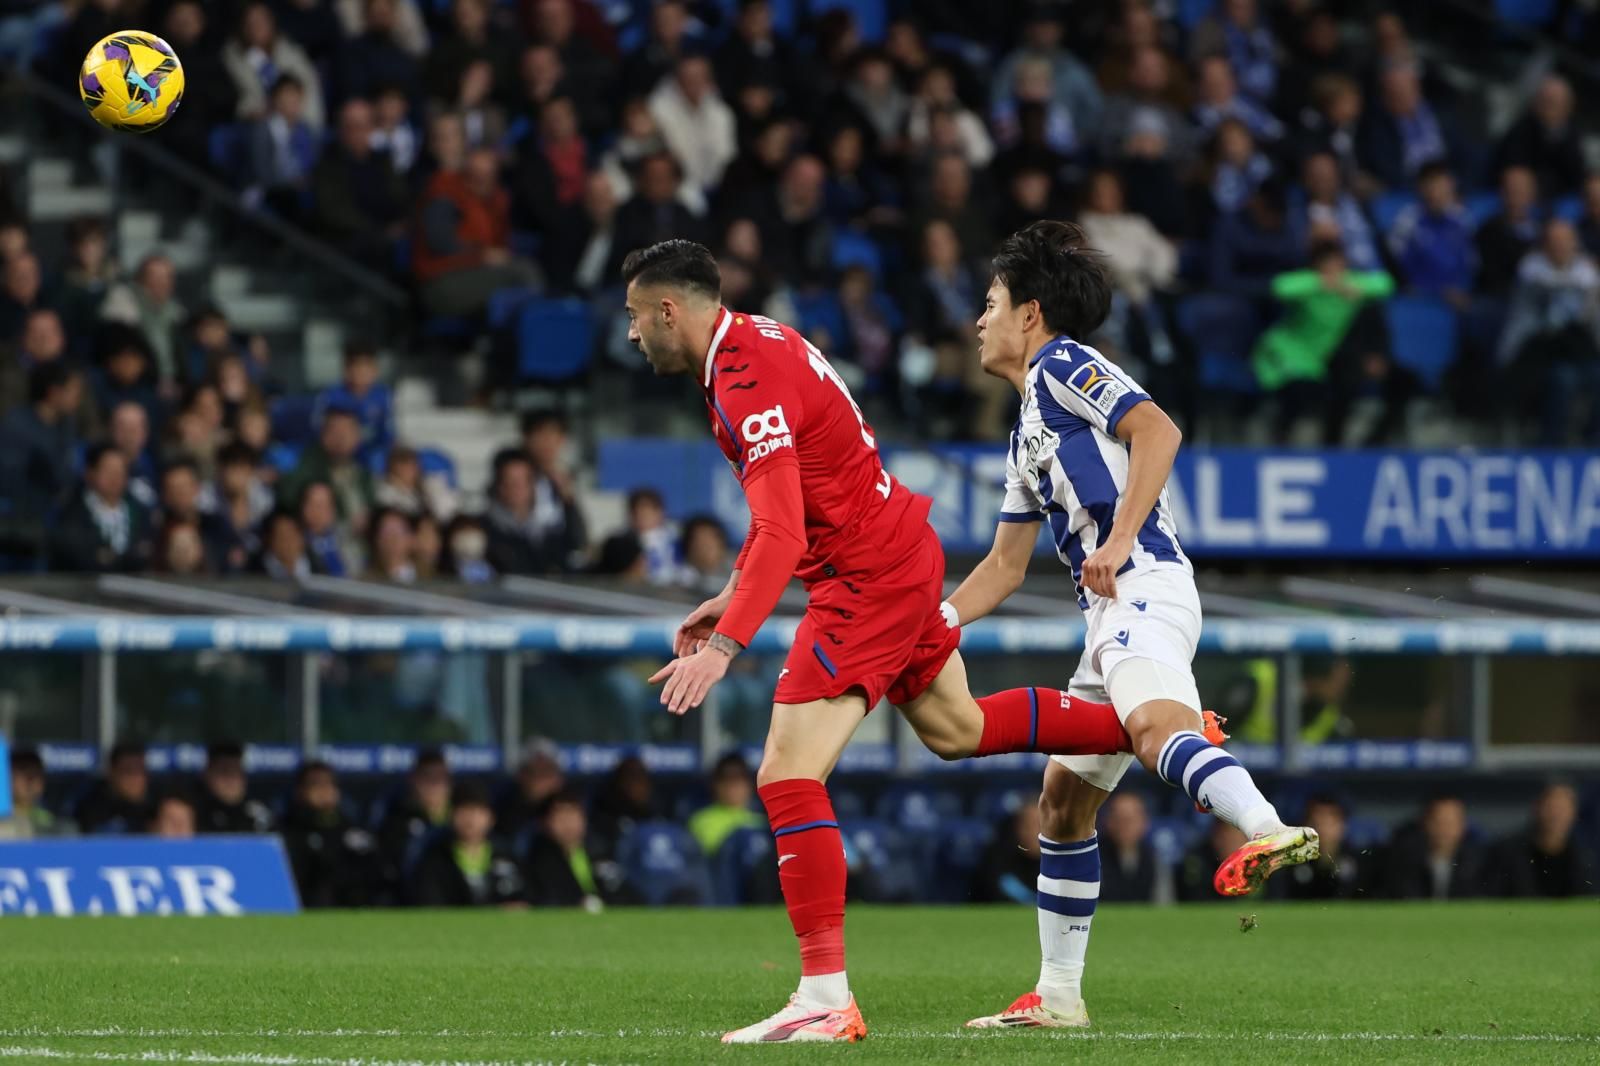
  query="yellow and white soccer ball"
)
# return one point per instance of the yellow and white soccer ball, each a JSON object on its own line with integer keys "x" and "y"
{"x": 131, "y": 80}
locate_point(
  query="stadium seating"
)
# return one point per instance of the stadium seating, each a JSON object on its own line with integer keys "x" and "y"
{"x": 1223, "y": 329}
{"x": 555, "y": 340}
{"x": 951, "y": 856}
{"x": 852, "y": 249}
{"x": 872, "y": 16}
{"x": 1386, "y": 208}
{"x": 663, "y": 862}
{"x": 1530, "y": 13}
{"x": 882, "y": 853}
{"x": 1423, "y": 335}
{"x": 735, "y": 862}
{"x": 917, "y": 809}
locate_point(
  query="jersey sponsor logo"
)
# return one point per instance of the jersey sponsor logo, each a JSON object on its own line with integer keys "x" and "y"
{"x": 1095, "y": 384}
{"x": 769, "y": 423}
{"x": 1035, "y": 449}
{"x": 766, "y": 432}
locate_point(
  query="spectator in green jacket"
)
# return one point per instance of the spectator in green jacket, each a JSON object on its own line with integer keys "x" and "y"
{"x": 731, "y": 793}
{"x": 334, "y": 461}
{"x": 1295, "y": 358}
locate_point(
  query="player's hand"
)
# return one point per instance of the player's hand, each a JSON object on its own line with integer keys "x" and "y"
{"x": 689, "y": 678}
{"x": 1100, "y": 568}
{"x": 697, "y": 628}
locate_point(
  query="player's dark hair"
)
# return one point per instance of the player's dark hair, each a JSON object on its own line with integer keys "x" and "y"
{"x": 676, "y": 264}
{"x": 360, "y": 348}
{"x": 504, "y": 458}
{"x": 565, "y": 797}
{"x": 730, "y": 764}
{"x": 1052, "y": 262}
{"x": 286, "y": 81}
{"x": 429, "y": 757}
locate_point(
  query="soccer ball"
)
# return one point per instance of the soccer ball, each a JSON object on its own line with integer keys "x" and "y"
{"x": 131, "y": 80}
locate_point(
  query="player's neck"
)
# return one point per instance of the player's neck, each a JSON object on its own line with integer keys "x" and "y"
{"x": 698, "y": 334}
{"x": 1032, "y": 341}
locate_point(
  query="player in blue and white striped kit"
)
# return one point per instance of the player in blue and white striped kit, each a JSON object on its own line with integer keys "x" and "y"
{"x": 1090, "y": 456}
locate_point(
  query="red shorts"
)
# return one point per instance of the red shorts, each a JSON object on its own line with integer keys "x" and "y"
{"x": 878, "y": 631}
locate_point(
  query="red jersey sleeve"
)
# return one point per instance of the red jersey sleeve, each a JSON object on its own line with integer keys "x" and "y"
{"x": 760, "y": 408}
{"x": 774, "y": 547}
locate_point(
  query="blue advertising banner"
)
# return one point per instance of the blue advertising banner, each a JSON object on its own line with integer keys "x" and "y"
{"x": 146, "y": 875}
{"x": 1232, "y": 502}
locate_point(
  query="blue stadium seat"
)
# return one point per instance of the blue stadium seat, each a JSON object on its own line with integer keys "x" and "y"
{"x": 1568, "y": 208}
{"x": 852, "y": 249}
{"x": 1387, "y": 207}
{"x": 1423, "y": 336}
{"x": 997, "y": 803}
{"x": 225, "y": 146}
{"x": 820, "y": 311}
{"x": 283, "y": 457}
{"x": 1362, "y": 832}
{"x": 1223, "y": 329}
{"x": 664, "y": 865}
{"x": 916, "y": 808}
{"x": 882, "y": 850}
{"x": 555, "y": 340}
{"x": 952, "y": 856}
{"x": 872, "y": 16}
{"x": 1190, "y": 12}
{"x": 1534, "y": 13}
{"x": 1172, "y": 837}
{"x": 740, "y": 854}
{"x": 434, "y": 461}
{"x": 294, "y": 419}
{"x": 1482, "y": 206}
{"x": 503, "y": 305}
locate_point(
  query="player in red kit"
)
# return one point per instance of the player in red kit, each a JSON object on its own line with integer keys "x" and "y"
{"x": 823, "y": 509}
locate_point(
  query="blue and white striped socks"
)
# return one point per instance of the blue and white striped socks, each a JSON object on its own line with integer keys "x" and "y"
{"x": 1069, "y": 886}
{"x": 1215, "y": 780}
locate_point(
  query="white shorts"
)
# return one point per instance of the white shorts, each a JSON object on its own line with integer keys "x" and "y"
{"x": 1155, "y": 618}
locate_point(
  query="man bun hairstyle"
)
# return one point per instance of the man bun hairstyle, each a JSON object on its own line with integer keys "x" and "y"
{"x": 1052, "y": 262}
{"x": 676, "y": 264}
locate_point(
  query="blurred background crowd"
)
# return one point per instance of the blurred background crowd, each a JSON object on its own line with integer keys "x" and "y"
{"x": 437, "y": 839}
{"x": 1327, "y": 226}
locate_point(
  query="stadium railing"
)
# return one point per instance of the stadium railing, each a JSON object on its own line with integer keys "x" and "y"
{"x": 503, "y": 642}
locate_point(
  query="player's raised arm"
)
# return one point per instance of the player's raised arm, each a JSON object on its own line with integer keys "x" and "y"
{"x": 1153, "y": 442}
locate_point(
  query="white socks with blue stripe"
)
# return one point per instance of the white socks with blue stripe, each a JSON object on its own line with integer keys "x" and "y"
{"x": 1215, "y": 780}
{"x": 1069, "y": 886}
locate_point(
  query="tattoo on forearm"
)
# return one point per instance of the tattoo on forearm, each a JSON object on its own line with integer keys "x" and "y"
{"x": 725, "y": 644}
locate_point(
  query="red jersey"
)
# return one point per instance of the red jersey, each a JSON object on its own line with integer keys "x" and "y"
{"x": 774, "y": 401}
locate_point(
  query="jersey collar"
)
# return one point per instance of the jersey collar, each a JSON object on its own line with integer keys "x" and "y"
{"x": 724, "y": 320}
{"x": 1044, "y": 349}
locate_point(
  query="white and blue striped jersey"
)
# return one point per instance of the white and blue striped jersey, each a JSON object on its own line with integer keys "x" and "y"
{"x": 1067, "y": 466}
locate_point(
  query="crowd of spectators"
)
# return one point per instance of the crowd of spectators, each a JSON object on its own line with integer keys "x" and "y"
{"x": 537, "y": 838}
{"x": 853, "y": 176}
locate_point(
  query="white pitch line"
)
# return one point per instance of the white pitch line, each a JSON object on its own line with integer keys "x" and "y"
{"x": 239, "y": 1059}
{"x": 888, "y": 1034}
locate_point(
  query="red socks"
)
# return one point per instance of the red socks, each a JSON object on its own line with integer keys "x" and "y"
{"x": 1050, "y": 721}
{"x": 811, "y": 869}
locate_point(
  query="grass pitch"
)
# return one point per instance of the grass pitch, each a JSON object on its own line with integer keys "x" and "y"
{"x": 1460, "y": 983}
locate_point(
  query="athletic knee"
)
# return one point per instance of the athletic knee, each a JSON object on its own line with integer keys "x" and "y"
{"x": 1153, "y": 724}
